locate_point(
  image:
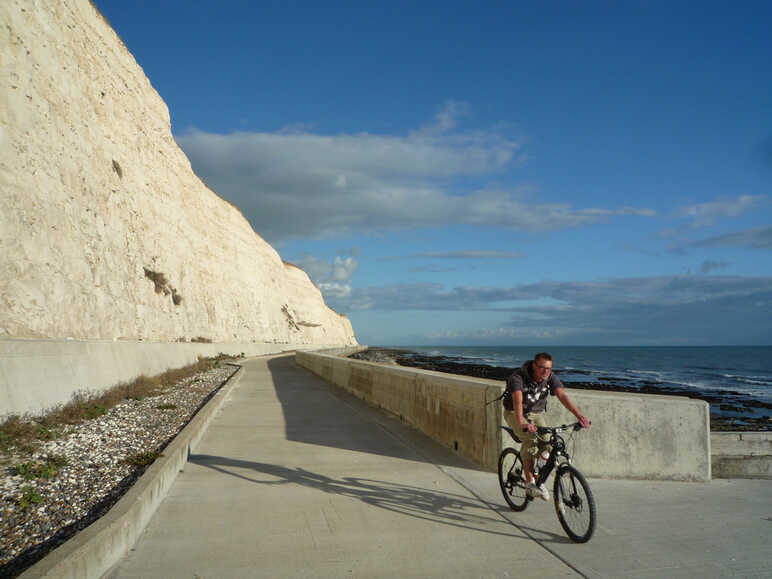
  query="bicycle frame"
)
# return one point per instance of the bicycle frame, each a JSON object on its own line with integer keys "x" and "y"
{"x": 557, "y": 450}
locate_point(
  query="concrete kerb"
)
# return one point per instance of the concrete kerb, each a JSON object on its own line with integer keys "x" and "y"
{"x": 93, "y": 551}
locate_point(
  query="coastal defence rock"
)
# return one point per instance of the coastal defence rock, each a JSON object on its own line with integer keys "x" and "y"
{"x": 105, "y": 231}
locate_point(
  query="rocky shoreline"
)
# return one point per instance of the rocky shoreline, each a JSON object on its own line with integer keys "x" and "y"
{"x": 71, "y": 481}
{"x": 725, "y": 405}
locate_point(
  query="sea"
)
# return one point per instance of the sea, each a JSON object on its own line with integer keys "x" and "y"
{"x": 719, "y": 371}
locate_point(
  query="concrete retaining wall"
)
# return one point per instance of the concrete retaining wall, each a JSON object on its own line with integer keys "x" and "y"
{"x": 38, "y": 374}
{"x": 634, "y": 436}
{"x": 741, "y": 454}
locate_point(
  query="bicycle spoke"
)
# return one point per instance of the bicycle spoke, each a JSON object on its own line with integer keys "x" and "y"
{"x": 574, "y": 504}
{"x": 511, "y": 479}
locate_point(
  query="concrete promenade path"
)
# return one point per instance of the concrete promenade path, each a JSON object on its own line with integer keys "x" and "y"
{"x": 296, "y": 478}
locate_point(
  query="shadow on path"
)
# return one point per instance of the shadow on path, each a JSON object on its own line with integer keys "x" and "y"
{"x": 316, "y": 412}
{"x": 437, "y": 506}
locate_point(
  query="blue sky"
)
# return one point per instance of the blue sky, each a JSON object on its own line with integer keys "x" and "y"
{"x": 593, "y": 173}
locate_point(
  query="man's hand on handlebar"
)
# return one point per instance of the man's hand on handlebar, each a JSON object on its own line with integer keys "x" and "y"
{"x": 529, "y": 427}
{"x": 583, "y": 421}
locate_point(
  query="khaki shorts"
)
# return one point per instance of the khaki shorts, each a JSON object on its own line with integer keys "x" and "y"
{"x": 532, "y": 443}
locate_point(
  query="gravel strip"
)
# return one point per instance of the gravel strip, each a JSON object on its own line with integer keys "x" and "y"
{"x": 93, "y": 471}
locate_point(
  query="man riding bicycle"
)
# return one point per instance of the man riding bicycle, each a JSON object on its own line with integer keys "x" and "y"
{"x": 525, "y": 404}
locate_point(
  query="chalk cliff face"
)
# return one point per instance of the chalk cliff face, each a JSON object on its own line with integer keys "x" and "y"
{"x": 105, "y": 231}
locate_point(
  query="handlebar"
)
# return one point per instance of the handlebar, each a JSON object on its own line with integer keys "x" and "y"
{"x": 561, "y": 428}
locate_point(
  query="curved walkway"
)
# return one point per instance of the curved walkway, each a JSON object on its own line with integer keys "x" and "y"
{"x": 295, "y": 478}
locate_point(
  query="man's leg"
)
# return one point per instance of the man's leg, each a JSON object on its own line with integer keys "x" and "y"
{"x": 527, "y": 446}
{"x": 539, "y": 443}
{"x": 529, "y": 449}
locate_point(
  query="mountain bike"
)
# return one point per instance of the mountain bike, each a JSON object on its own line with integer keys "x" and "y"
{"x": 574, "y": 503}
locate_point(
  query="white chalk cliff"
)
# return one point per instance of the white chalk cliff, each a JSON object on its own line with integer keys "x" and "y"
{"x": 105, "y": 231}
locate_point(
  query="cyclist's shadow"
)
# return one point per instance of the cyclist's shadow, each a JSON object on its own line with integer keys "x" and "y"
{"x": 438, "y": 506}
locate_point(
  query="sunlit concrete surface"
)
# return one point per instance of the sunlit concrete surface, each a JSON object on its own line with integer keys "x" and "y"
{"x": 295, "y": 478}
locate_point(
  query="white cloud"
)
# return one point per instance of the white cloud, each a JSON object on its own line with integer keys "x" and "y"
{"x": 304, "y": 185}
{"x": 667, "y": 309}
{"x": 445, "y": 120}
{"x": 335, "y": 290}
{"x": 332, "y": 277}
{"x": 758, "y": 238}
{"x": 706, "y": 214}
{"x": 343, "y": 269}
{"x": 471, "y": 254}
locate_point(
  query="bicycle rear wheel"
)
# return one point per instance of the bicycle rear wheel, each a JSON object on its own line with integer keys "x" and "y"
{"x": 574, "y": 504}
{"x": 511, "y": 479}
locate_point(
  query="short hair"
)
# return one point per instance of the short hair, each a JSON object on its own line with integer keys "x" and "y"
{"x": 542, "y": 356}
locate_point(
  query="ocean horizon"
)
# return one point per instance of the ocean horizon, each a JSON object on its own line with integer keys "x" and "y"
{"x": 719, "y": 371}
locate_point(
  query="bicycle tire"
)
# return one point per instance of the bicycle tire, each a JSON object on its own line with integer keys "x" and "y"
{"x": 574, "y": 504}
{"x": 511, "y": 479}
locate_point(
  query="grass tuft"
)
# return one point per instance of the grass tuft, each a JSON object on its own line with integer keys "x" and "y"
{"x": 29, "y": 497}
{"x": 142, "y": 458}
{"x": 46, "y": 468}
{"x": 22, "y": 434}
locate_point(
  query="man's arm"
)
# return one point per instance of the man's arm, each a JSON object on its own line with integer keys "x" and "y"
{"x": 517, "y": 405}
{"x": 571, "y": 407}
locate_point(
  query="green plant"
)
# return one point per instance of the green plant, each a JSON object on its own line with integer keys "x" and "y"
{"x": 142, "y": 458}
{"x": 17, "y": 432}
{"x": 21, "y": 435}
{"x": 27, "y": 470}
{"x": 57, "y": 460}
{"x": 29, "y": 497}
{"x": 95, "y": 410}
{"x": 46, "y": 468}
{"x": 45, "y": 433}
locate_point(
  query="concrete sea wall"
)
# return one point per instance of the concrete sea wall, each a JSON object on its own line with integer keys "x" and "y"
{"x": 38, "y": 374}
{"x": 741, "y": 454}
{"x": 632, "y": 437}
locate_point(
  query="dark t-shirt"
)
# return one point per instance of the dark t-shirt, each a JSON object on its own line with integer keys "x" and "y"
{"x": 534, "y": 393}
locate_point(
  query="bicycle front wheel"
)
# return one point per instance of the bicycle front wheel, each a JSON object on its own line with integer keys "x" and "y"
{"x": 511, "y": 479}
{"x": 574, "y": 504}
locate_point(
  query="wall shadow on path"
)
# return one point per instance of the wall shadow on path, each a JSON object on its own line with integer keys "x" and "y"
{"x": 437, "y": 506}
{"x": 317, "y": 412}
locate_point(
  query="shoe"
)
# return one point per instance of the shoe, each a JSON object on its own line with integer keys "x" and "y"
{"x": 539, "y": 491}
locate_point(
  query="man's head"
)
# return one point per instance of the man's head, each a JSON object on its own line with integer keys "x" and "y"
{"x": 541, "y": 366}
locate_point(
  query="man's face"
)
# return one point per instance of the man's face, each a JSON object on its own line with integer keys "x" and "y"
{"x": 541, "y": 369}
